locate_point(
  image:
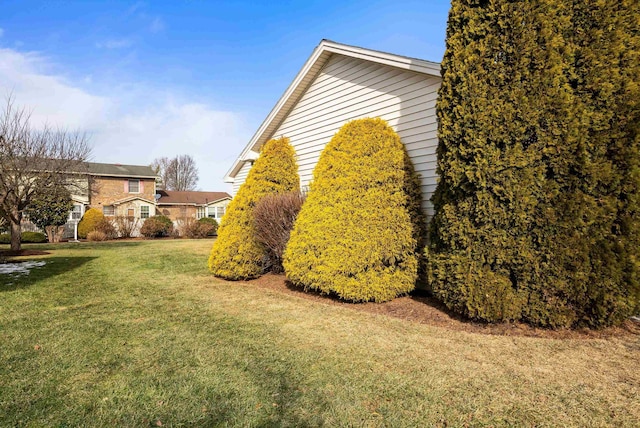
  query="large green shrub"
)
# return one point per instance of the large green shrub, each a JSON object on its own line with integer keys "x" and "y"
{"x": 236, "y": 254}
{"x": 536, "y": 207}
{"x": 358, "y": 232}
{"x": 90, "y": 220}
{"x": 26, "y": 238}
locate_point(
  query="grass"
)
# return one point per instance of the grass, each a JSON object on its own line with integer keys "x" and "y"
{"x": 139, "y": 334}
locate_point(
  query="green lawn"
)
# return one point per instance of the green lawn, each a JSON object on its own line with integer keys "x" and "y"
{"x": 139, "y": 334}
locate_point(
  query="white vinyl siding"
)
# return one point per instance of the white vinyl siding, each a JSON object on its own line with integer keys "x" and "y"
{"x": 241, "y": 177}
{"x": 350, "y": 88}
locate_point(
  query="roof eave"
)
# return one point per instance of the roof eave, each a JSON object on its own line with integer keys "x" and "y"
{"x": 152, "y": 177}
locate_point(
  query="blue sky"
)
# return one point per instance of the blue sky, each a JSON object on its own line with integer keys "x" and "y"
{"x": 161, "y": 78}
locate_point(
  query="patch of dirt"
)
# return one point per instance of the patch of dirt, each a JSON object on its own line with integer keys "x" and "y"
{"x": 421, "y": 308}
{"x": 30, "y": 252}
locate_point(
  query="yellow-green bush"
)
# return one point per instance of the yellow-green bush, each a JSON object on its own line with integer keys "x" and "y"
{"x": 90, "y": 220}
{"x": 236, "y": 254}
{"x": 358, "y": 232}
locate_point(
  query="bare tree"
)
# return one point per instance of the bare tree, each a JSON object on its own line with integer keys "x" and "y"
{"x": 179, "y": 173}
{"x": 161, "y": 167}
{"x": 33, "y": 161}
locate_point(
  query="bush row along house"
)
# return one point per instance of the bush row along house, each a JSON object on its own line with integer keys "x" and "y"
{"x": 131, "y": 191}
{"x": 340, "y": 83}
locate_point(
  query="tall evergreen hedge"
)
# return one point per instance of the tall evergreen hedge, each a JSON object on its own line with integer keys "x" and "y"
{"x": 536, "y": 207}
{"x": 358, "y": 231}
{"x": 236, "y": 254}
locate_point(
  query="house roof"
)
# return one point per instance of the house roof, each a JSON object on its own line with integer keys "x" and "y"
{"x": 172, "y": 197}
{"x": 305, "y": 78}
{"x": 118, "y": 170}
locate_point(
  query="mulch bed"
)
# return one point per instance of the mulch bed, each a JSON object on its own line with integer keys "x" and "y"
{"x": 30, "y": 252}
{"x": 421, "y": 308}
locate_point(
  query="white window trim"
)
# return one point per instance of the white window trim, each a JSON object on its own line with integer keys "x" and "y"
{"x": 73, "y": 210}
{"x": 201, "y": 212}
{"x": 109, "y": 206}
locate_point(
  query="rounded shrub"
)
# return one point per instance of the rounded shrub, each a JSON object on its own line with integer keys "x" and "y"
{"x": 236, "y": 254}
{"x": 96, "y": 236}
{"x": 357, "y": 235}
{"x": 89, "y": 221}
{"x": 194, "y": 229}
{"x": 33, "y": 237}
{"x": 107, "y": 227}
{"x": 25, "y": 238}
{"x": 156, "y": 227}
{"x": 212, "y": 223}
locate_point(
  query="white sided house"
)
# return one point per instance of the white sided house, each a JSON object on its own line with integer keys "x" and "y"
{"x": 339, "y": 83}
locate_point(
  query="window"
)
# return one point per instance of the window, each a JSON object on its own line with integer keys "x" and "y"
{"x": 199, "y": 212}
{"x": 134, "y": 186}
{"x": 216, "y": 212}
{"x": 109, "y": 210}
{"x": 144, "y": 211}
{"x": 76, "y": 212}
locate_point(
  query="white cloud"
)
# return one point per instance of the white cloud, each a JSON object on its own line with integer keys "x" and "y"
{"x": 134, "y": 8}
{"x": 157, "y": 25}
{"x": 50, "y": 98}
{"x": 133, "y": 124}
{"x": 115, "y": 44}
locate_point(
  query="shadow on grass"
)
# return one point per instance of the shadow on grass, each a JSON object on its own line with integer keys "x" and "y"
{"x": 53, "y": 266}
{"x": 77, "y": 245}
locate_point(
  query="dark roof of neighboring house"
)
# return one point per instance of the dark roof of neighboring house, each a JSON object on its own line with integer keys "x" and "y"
{"x": 169, "y": 197}
{"x": 118, "y": 170}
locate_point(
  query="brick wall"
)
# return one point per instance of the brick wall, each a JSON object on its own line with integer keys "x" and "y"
{"x": 175, "y": 212}
{"x": 107, "y": 190}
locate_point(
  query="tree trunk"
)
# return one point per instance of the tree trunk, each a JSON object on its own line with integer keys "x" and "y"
{"x": 16, "y": 238}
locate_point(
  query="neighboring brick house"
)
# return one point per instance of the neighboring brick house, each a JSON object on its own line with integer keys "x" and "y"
{"x": 130, "y": 190}
{"x": 178, "y": 205}
{"x": 122, "y": 190}
{"x": 114, "y": 189}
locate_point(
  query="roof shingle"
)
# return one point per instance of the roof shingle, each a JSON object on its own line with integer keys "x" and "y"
{"x": 168, "y": 197}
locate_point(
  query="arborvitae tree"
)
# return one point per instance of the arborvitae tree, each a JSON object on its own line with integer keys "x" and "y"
{"x": 236, "y": 254}
{"x": 601, "y": 204}
{"x": 529, "y": 206}
{"x": 354, "y": 235}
